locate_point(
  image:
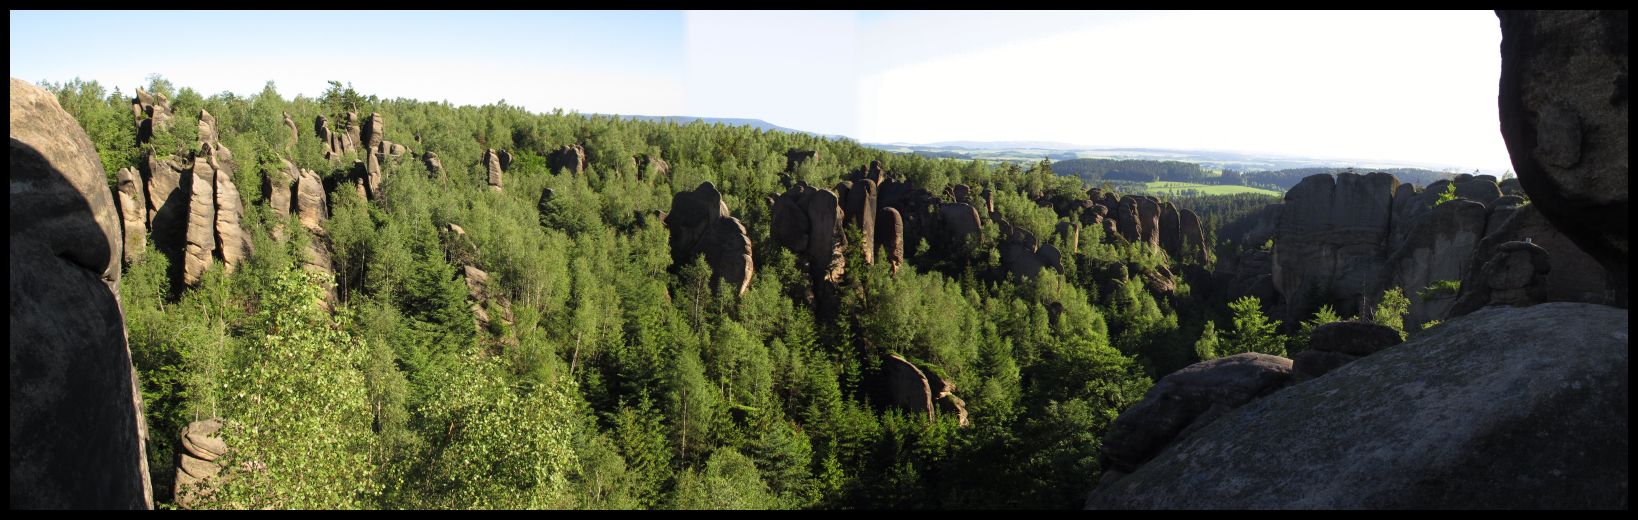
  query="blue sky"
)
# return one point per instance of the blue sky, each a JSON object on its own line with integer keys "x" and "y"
{"x": 1416, "y": 87}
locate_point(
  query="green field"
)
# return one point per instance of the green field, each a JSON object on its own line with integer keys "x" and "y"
{"x": 1177, "y": 188}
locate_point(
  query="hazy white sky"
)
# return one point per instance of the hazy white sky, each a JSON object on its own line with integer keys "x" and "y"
{"x": 1408, "y": 87}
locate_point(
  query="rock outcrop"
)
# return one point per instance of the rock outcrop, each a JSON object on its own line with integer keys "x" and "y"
{"x": 890, "y": 235}
{"x": 1574, "y": 276}
{"x": 571, "y": 157}
{"x": 700, "y": 223}
{"x": 809, "y": 222}
{"x": 1186, "y": 401}
{"x": 232, "y": 241}
{"x": 491, "y": 161}
{"x": 201, "y": 231}
{"x": 295, "y": 134}
{"x": 650, "y": 168}
{"x": 197, "y": 463}
{"x": 374, "y": 132}
{"x": 860, "y": 213}
{"x": 133, "y": 213}
{"x": 1330, "y": 242}
{"x": 77, "y": 431}
{"x": 1335, "y": 344}
{"x": 907, "y": 387}
{"x": 1436, "y": 248}
{"x": 1484, "y": 411}
{"x": 435, "y": 167}
{"x": 1563, "y": 106}
{"x": 1193, "y": 238}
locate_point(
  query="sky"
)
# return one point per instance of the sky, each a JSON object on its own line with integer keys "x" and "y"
{"x": 1367, "y": 86}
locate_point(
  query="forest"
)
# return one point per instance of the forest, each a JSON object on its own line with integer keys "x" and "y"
{"x": 599, "y": 374}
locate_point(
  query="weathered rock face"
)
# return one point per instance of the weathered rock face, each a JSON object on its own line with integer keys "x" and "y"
{"x": 907, "y": 387}
{"x": 233, "y": 243}
{"x": 949, "y": 404}
{"x": 133, "y": 213}
{"x": 1563, "y": 108}
{"x": 1437, "y": 247}
{"x": 960, "y": 220}
{"x": 1126, "y": 219}
{"x": 1186, "y": 401}
{"x": 700, "y": 224}
{"x": 1069, "y": 233}
{"x": 374, "y": 132}
{"x": 860, "y": 213}
{"x": 201, "y": 233}
{"x": 197, "y": 464}
{"x": 1338, "y": 343}
{"x": 1170, "y": 233}
{"x": 570, "y": 157}
{"x": 77, "y": 430}
{"x": 277, "y": 184}
{"x": 826, "y": 243}
{"x": 491, "y": 160}
{"x": 372, "y": 175}
{"x": 1514, "y": 274}
{"x": 290, "y": 144}
{"x": 1192, "y": 237}
{"x": 167, "y": 202}
{"x": 434, "y": 166}
{"x": 794, "y": 158}
{"x": 153, "y": 113}
{"x": 1149, "y": 223}
{"x": 890, "y": 234}
{"x": 207, "y": 128}
{"x": 354, "y": 133}
{"x": 310, "y": 204}
{"x": 1574, "y": 276}
{"x": 1330, "y": 241}
{"x": 1483, "y": 411}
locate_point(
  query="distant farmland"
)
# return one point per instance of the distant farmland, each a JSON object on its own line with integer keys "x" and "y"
{"x": 1181, "y": 188}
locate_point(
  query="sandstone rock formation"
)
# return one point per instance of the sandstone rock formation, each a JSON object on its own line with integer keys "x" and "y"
{"x": 1193, "y": 237}
{"x": 201, "y": 230}
{"x": 571, "y": 157}
{"x": 1574, "y": 276}
{"x": 505, "y": 159}
{"x": 277, "y": 185}
{"x": 374, "y": 131}
{"x": 233, "y": 242}
{"x": 1186, "y": 401}
{"x": 1483, "y": 411}
{"x": 197, "y": 462}
{"x": 1330, "y": 241}
{"x": 701, "y": 224}
{"x": 890, "y": 235}
{"x": 133, "y": 213}
{"x": 491, "y": 161}
{"x": 434, "y": 166}
{"x": 860, "y": 213}
{"x": 167, "y": 202}
{"x": 907, "y": 387}
{"x": 354, "y": 133}
{"x": 153, "y": 114}
{"x": 77, "y": 431}
{"x": 1436, "y": 248}
{"x": 1338, "y": 343}
{"x": 295, "y": 135}
{"x": 650, "y": 167}
{"x": 1563, "y": 105}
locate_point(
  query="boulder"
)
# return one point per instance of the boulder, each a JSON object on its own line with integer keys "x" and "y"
{"x": 907, "y": 387}
{"x": 1330, "y": 241}
{"x": 77, "y": 431}
{"x": 1563, "y": 104}
{"x": 1186, "y": 401}
{"x": 1483, "y": 411}
{"x": 1353, "y": 337}
{"x": 1514, "y": 275}
{"x": 434, "y": 166}
{"x": 1574, "y": 276}
{"x": 201, "y": 230}
{"x": 197, "y": 464}
{"x": 1310, "y": 364}
{"x": 133, "y": 213}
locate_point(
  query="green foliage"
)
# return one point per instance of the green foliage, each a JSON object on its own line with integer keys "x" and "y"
{"x": 1446, "y": 196}
{"x": 1206, "y": 347}
{"x": 1441, "y": 289}
{"x": 1253, "y": 332}
{"x": 1305, "y": 330}
{"x": 1391, "y": 310}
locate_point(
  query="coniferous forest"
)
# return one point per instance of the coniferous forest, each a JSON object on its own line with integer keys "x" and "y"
{"x": 582, "y": 367}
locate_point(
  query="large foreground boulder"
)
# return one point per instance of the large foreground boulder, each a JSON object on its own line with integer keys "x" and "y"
{"x": 77, "y": 432}
{"x": 1186, "y": 401}
{"x": 1563, "y": 105}
{"x": 1504, "y": 408}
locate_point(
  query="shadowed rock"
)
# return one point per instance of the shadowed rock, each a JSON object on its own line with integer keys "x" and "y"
{"x": 1186, "y": 401}
{"x": 77, "y": 431}
{"x": 133, "y": 212}
{"x": 1563, "y": 104}
{"x": 907, "y": 387}
{"x": 700, "y": 224}
{"x": 1483, "y": 411}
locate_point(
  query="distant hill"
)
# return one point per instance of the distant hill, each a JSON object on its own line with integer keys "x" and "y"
{"x": 730, "y": 121}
